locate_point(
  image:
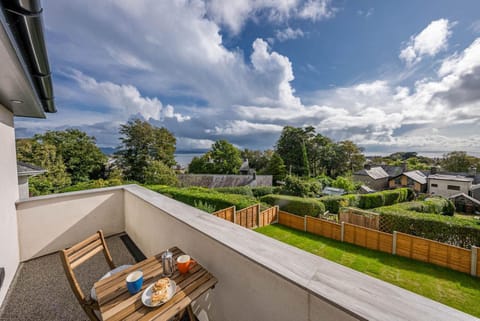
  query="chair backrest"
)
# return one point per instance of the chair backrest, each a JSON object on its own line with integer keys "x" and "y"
{"x": 79, "y": 254}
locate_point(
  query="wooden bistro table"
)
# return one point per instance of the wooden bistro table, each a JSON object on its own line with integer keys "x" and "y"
{"x": 116, "y": 303}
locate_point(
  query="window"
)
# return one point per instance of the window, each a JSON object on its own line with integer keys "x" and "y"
{"x": 409, "y": 181}
{"x": 398, "y": 181}
{"x": 434, "y": 185}
{"x": 453, "y": 187}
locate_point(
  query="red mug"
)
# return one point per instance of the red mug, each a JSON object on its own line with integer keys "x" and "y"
{"x": 185, "y": 263}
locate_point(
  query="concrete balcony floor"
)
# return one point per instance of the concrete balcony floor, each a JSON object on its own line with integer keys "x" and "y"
{"x": 41, "y": 291}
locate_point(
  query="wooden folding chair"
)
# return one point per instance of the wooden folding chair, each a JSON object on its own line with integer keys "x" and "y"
{"x": 79, "y": 254}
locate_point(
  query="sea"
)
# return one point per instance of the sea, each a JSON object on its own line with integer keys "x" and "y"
{"x": 185, "y": 159}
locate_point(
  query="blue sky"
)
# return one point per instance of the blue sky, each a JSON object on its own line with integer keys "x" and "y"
{"x": 389, "y": 75}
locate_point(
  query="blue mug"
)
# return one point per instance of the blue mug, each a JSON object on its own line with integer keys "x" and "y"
{"x": 134, "y": 281}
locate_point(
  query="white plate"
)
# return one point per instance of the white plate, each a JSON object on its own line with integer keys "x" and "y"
{"x": 147, "y": 294}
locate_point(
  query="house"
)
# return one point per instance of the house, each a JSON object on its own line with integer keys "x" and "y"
{"x": 447, "y": 185}
{"x": 416, "y": 180}
{"x": 274, "y": 280}
{"x": 374, "y": 177}
{"x": 475, "y": 191}
{"x": 24, "y": 171}
{"x": 465, "y": 203}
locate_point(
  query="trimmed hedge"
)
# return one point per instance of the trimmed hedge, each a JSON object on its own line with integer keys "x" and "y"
{"x": 193, "y": 195}
{"x": 242, "y": 190}
{"x": 296, "y": 205}
{"x": 265, "y": 190}
{"x": 367, "y": 201}
{"x": 452, "y": 230}
{"x": 435, "y": 205}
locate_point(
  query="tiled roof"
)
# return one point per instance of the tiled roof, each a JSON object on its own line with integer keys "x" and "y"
{"x": 25, "y": 169}
{"x": 417, "y": 176}
{"x": 374, "y": 172}
{"x": 466, "y": 196}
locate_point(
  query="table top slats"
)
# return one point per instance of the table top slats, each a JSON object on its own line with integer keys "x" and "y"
{"x": 116, "y": 303}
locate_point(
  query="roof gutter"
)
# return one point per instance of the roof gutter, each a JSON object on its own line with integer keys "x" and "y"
{"x": 26, "y": 23}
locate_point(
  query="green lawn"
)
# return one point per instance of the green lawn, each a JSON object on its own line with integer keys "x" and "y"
{"x": 458, "y": 290}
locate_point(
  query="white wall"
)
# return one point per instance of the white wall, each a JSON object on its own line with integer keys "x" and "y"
{"x": 50, "y": 223}
{"x": 23, "y": 191}
{"x": 8, "y": 195}
{"x": 442, "y": 187}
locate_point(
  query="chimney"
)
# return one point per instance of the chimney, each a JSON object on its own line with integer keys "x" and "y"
{"x": 433, "y": 170}
{"x": 367, "y": 166}
{"x": 472, "y": 171}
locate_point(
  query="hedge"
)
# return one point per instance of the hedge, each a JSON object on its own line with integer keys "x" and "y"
{"x": 452, "y": 230}
{"x": 194, "y": 195}
{"x": 242, "y": 190}
{"x": 334, "y": 203}
{"x": 265, "y": 190}
{"x": 435, "y": 205}
{"x": 296, "y": 205}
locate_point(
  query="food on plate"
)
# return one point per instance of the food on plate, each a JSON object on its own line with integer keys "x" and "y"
{"x": 160, "y": 290}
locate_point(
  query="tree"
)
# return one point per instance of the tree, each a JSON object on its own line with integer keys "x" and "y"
{"x": 458, "y": 161}
{"x": 46, "y": 156}
{"x": 291, "y": 146}
{"x": 257, "y": 159}
{"x": 142, "y": 143}
{"x": 82, "y": 158}
{"x": 276, "y": 168}
{"x": 159, "y": 173}
{"x": 225, "y": 158}
{"x": 351, "y": 156}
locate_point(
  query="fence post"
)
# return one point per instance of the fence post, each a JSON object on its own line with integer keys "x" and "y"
{"x": 394, "y": 243}
{"x": 305, "y": 223}
{"x": 342, "y": 231}
{"x": 258, "y": 215}
{"x": 277, "y": 211}
{"x": 473, "y": 265}
{"x": 234, "y": 214}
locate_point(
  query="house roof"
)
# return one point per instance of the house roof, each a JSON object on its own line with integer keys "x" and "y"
{"x": 25, "y": 169}
{"x": 392, "y": 170}
{"x": 458, "y": 178}
{"x": 333, "y": 191}
{"x": 417, "y": 176}
{"x": 367, "y": 189}
{"x": 245, "y": 166}
{"x": 374, "y": 172}
{"x": 475, "y": 187}
{"x": 466, "y": 196}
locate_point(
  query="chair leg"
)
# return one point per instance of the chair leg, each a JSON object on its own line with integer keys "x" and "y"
{"x": 191, "y": 316}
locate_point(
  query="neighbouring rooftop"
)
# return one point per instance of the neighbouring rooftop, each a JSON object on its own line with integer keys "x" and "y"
{"x": 457, "y": 178}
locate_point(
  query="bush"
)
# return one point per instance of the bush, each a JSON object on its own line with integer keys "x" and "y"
{"x": 195, "y": 194}
{"x": 99, "y": 183}
{"x": 242, "y": 190}
{"x": 204, "y": 206}
{"x": 334, "y": 203}
{"x": 301, "y": 187}
{"x": 265, "y": 190}
{"x": 296, "y": 205}
{"x": 434, "y": 205}
{"x": 366, "y": 201}
{"x": 452, "y": 230}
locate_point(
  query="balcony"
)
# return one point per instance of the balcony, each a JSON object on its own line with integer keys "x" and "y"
{"x": 258, "y": 278}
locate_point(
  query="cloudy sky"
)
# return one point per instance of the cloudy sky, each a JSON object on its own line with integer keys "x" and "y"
{"x": 389, "y": 75}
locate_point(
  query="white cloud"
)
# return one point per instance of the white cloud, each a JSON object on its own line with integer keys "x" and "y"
{"x": 243, "y": 127}
{"x": 316, "y": 10}
{"x": 289, "y": 33}
{"x": 428, "y": 42}
{"x": 475, "y": 26}
{"x": 125, "y": 99}
{"x": 234, "y": 14}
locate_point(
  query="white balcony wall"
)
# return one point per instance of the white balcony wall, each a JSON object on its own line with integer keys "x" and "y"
{"x": 50, "y": 223}
{"x": 8, "y": 195}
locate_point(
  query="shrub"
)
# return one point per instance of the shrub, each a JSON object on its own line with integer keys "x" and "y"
{"x": 301, "y": 187}
{"x": 434, "y": 205}
{"x": 366, "y": 201}
{"x": 194, "y": 194}
{"x": 99, "y": 183}
{"x": 242, "y": 190}
{"x": 265, "y": 190}
{"x": 296, "y": 205}
{"x": 446, "y": 229}
{"x": 204, "y": 206}
{"x": 334, "y": 203}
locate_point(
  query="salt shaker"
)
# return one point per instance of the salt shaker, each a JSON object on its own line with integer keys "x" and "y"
{"x": 168, "y": 264}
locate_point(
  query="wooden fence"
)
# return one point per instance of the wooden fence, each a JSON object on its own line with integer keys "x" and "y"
{"x": 227, "y": 214}
{"x": 359, "y": 217}
{"x": 401, "y": 244}
{"x": 249, "y": 217}
{"x": 269, "y": 216}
